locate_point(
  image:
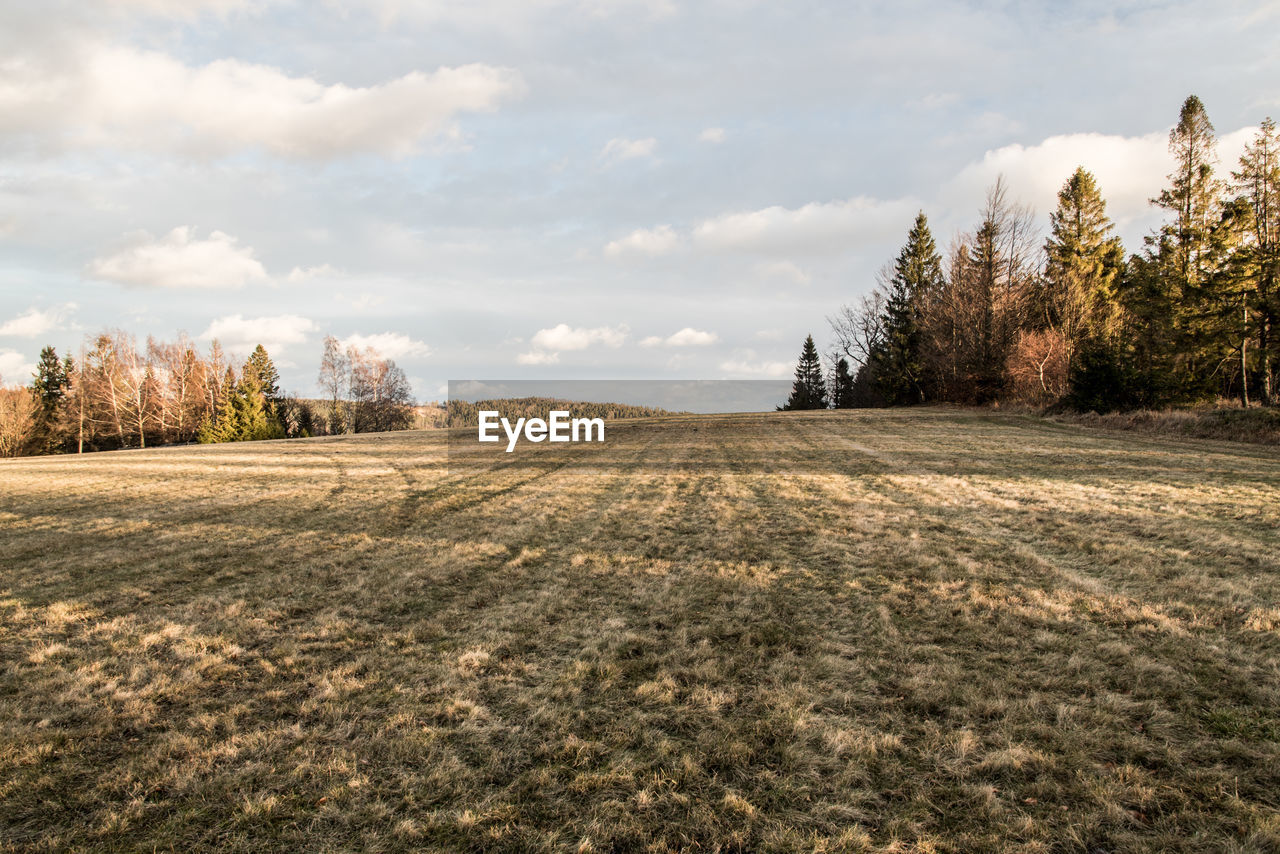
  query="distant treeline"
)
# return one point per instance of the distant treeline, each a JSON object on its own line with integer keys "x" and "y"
{"x": 115, "y": 394}
{"x": 1071, "y": 321}
{"x": 463, "y": 413}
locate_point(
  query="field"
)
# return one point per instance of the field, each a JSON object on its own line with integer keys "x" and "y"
{"x": 931, "y": 630}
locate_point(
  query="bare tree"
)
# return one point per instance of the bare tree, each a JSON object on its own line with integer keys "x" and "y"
{"x": 17, "y": 419}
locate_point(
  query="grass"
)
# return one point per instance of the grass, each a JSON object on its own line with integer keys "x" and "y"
{"x": 911, "y": 631}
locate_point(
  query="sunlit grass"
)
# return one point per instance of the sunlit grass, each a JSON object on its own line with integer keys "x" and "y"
{"x": 913, "y": 631}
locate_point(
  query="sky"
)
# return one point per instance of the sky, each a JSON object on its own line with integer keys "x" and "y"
{"x": 578, "y": 189}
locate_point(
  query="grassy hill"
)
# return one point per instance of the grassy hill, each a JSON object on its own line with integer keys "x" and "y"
{"x": 885, "y": 631}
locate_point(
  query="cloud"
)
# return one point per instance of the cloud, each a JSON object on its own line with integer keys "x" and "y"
{"x": 37, "y": 321}
{"x": 784, "y": 270}
{"x": 1130, "y": 170}
{"x": 715, "y": 136}
{"x": 618, "y": 149}
{"x": 126, "y": 98}
{"x": 537, "y": 357}
{"x": 241, "y": 334}
{"x": 687, "y": 337}
{"x": 565, "y": 337}
{"x": 818, "y": 227}
{"x": 181, "y": 9}
{"x": 750, "y": 367}
{"x": 178, "y": 260}
{"x": 302, "y": 274}
{"x": 644, "y": 241}
{"x": 14, "y": 368}
{"x": 389, "y": 345}
{"x": 549, "y": 343}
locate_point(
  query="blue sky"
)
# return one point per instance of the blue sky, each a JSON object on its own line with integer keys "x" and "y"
{"x": 557, "y": 188}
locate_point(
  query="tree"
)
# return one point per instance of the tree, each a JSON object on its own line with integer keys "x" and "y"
{"x": 916, "y": 277}
{"x": 1083, "y": 264}
{"x": 808, "y": 391}
{"x": 1258, "y": 182}
{"x": 335, "y": 381}
{"x": 842, "y": 385}
{"x": 18, "y": 413}
{"x": 1194, "y": 194}
{"x": 268, "y": 379}
{"x": 50, "y": 386}
{"x": 973, "y": 322}
{"x": 381, "y": 398}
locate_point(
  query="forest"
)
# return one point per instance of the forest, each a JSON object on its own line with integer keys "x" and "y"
{"x": 1073, "y": 322}
{"x": 115, "y": 394}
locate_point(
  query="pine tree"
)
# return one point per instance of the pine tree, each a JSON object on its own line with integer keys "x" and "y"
{"x": 809, "y": 390}
{"x": 1258, "y": 182}
{"x": 917, "y": 273}
{"x": 268, "y": 379}
{"x": 1083, "y": 264}
{"x": 1194, "y": 331}
{"x": 50, "y": 386}
{"x": 842, "y": 385}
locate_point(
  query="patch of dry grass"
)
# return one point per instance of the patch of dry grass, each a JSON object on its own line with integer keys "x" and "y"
{"x": 915, "y": 631}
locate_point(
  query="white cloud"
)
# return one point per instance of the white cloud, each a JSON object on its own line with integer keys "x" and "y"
{"x": 1130, "y": 170}
{"x": 750, "y": 367}
{"x": 123, "y": 97}
{"x": 565, "y": 337}
{"x": 14, "y": 368}
{"x": 537, "y": 357}
{"x": 817, "y": 227}
{"x": 549, "y": 343}
{"x": 687, "y": 337}
{"x": 715, "y": 136}
{"x": 784, "y": 270}
{"x": 644, "y": 241}
{"x": 178, "y": 260}
{"x": 619, "y": 149}
{"x": 182, "y": 9}
{"x": 240, "y": 334}
{"x": 37, "y": 321}
{"x": 302, "y": 274}
{"x": 389, "y": 345}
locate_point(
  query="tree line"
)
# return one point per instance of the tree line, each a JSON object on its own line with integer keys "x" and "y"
{"x": 115, "y": 394}
{"x": 1072, "y": 321}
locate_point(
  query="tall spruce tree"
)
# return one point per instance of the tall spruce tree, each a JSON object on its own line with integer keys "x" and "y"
{"x": 1258, "y": 182}
{"x": 268, "y": 379}
{"x": 50, "y": 385}
{"x": 809, "y": 391}
{"x": 1187, "y": 254}
{"x": 842, "y": 385}
{"x": 899, "y": 361}
{"x": 1083, "y": 263}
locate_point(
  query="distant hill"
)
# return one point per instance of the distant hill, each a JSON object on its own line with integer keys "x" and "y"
{"x": 463, "y": 413}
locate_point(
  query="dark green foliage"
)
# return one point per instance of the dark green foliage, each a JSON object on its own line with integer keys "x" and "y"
{"x": 242, "y": 412}
{"x": 809, "y": 391}
{"x": 268, "y": 378}
{"x": 899, "y": 362}
{"x": 842, "y": 386}
{"x": 50, "y": 386}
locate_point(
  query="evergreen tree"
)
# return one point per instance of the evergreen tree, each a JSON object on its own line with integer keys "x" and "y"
{"x": 917, "y": 274}
{"x": 1258, "y": 182}
{"x": 268, "y": 379}
{"x": 1083, "y": 264}
{"x": 842, "y": 386}
{"x": 224, "y": 424}
{"x": 1193, "y": 332}
{"x": 809, "y": 391}
{"x": 50, "y": 386}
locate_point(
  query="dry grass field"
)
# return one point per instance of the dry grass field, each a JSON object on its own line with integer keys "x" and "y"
{"x": 911, "y": 631}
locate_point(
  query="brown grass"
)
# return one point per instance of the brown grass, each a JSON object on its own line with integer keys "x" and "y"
{"x": 915, "y": 631}
{"x": 1257, "y": 425}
